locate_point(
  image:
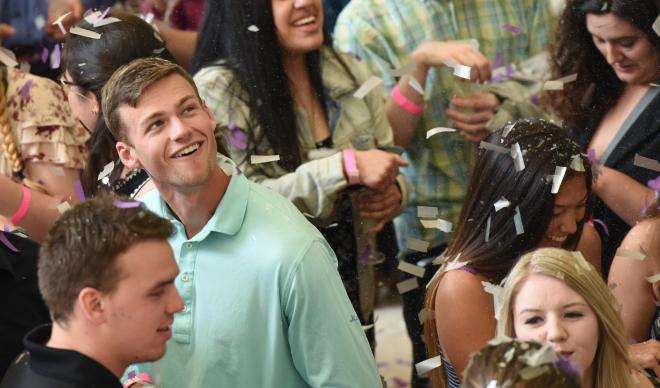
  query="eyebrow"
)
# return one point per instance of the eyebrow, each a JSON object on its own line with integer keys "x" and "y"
{"x": 160, "y": 113}
{"x": 568, "y": 305}
{"x": 162, "y": 284}
{"x": 583, "y": 200}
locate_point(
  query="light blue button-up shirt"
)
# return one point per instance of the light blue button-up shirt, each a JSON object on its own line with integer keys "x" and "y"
{"x": 264, "y": 303}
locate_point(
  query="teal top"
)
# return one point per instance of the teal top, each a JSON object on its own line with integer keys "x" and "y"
{"x": 264, "y": 304}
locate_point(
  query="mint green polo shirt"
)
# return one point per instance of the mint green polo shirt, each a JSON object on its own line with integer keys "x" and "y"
{"x": 264, "y": 303}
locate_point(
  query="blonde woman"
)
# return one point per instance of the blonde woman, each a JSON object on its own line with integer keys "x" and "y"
{"x": 556, "y": 297}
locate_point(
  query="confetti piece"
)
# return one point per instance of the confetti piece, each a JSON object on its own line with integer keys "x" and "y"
{"x": 92, "y": 17}
{"x": 462, "y": 71}
{"x": 654, "y": 184}
{"x": 367, "y": 87}
{"x": 126, "y": 204}
{"x": 411, "y": 269}
{"x": 512, "y": 28}
{"x": 158, "y": 37}
{"x": 77, "y": 186}
{"x": 57, "y": 170}
{"x": 487, "y": 230}
{"x": 542, "y": 356}
{"x": 58, "y": 22}
{"x": 493, "y": 147}
{"x": 415, "y": 85}
{"x": 423, "y": 368}
{"x": 493, "y": 383}
{"x": 654, "y": 278}
{"x": 102, "y": 16}
{"x": 591, "y": 155}
{"x": 321, "y": 153}
{"x": 418, "y": 245}
{"x": 630, "y": 254}
{"x": 236, "y": 137}
{"x": 569, "y": 78}
{"x": 107, "y": 170}
{"x": 368, "y": 327}
{"x": 601, "y": 223}
{"x": 501, "y": 204}
{"x": 105, "y": 22}
{"x": 7, "y": 243}
{"x": 499, "y": 340}
{"x": 435, "y": 131}
{"x": 407, "y": 285}
{"x": 44, "y": 55}
{"x": 7, "y": 57}
{"x": 497, "y": 292}
{"x": 532, "y": 372}
{"x": 427, "y": 212}
{"x": 553, "y": 85}
{"x": 439, "y": 223}
{"x": 452, "y": 265}
{"x": 516, "y": 154}
{"x": 648, "y": 163}
{"x": 517, "y": 221}
{"x": 64, "y": 206}
{"x": 257, "y": 159}
{"x": 84, "y": 32}
{"x": 576, "y": 163}
{"x": 253, "y": 28}
{"x": 25, "y": 90}
{"x": 158, "y": 51}
{"x": 55, "y": 57}
{"x": 656, "y": 25}
{"x": 400, "y": 72}
{"x": 557, "y": 179}
{"x": 425, "y": 315}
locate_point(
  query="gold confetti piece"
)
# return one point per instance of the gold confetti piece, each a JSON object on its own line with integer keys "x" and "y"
{"x": 418, "y": 245}
{"x": 427, "y": 212}
{"x": 105, "y": 22}
{"x": 501, "y": 204}
{"x": 407, "y": 285}
{"x": 630, "y": 254}
{"x": 84, "y": 32}
{"x": 648, "y": 163}
{"x": 435, "y": 131}
{"x": 494, "y": 147}
{"x": 64, "y": 206}
{"x": 400, "y": 72}
{"x": 7, "y": 57}
{"x": 411, "y": 269}
{"x": 415, "y": 85}
{"x": 532, "y": 372}
{"x": 257, "y": 159}
{"x": 516, "y": 154}
{"x": 462, "y": 71}
{"x": 517, "y": 221}
{"x": 576, "y": 163}
{"x": 557, "y": 179}
{"x": 253, "y": 28}
{"x": 439, "y": 223}
{"x": 367, "y": 87}
{"x": 423, "y": 368}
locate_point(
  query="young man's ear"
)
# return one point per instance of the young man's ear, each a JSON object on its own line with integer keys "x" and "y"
{"x": 127, "y": 155}
{"x": 208, "y": 111}
{"x": 89, "y": 305}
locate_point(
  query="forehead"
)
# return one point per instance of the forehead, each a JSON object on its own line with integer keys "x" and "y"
{"x": 542, "y": 291}
{"x": 147, "y": 262}
{"x": 572, "y": 191}
{"x": 610, "y": 26}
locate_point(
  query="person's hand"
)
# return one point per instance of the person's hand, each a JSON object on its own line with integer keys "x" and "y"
{"x": 438, "y": 54}
{"x": 6, "y": 30}
{"x": 57, "y": 8}
{"x": 646, "y": 355}
{"x": 378, "y": 169}
{"x": 470, "y": 114}
{"x": 379, "y": 206}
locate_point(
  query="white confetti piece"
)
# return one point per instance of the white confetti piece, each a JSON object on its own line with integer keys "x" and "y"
{"x": 423, "y": 368}
{"x": 64, "y": 206}
{"x": 400, "y": 72}
{"x": 107, "y": 170}
{"x": 415, "y": 85}
{"x": 407, "y": 285}
{"x": 538, "y": 357}
{"x": 368, "y": 327}
{"x": 158, "y": 37}
{"x": 553, "y": 85}
{"x": 8, "y": 58}
{"x": 493, "y": 383}
{"x": 648, "y": 163}
{"x": 487, "y": 229}
{"x": 576, "y": 163}
{"x": 501, "y": 204}
{"x": 256, "y": 159}
{"x": 427, "y": 212}
{"x": 253, "y": 28}
{"x": 499, "y": 340}
{"x": 425, "y": 315}
{"x": 59, "y": 20}
{"x": 497, "y": 292}
{"x": 557, "y": 179}
{"x": 452, "y": 265}
{"x": 568, "y": 79}
{"x": 493, "y": 147}
{"x": 435, "y": 131}
{"x": 656, "y": 25}
{"x": 105, "y": 22}
{"x": 367, "y": 87}
{"x": 82, "y": 64}
{"x": 462, "y": 71}
{"x": 228, "y": 168}
{"x": 532, "y": 372}
{"x": 631, "y": 254}
{"x": 40, "y": 22}
{"x": 418, "y": 245}
{"x": 517, "y": 221}
{"x": 439, "y": 223}
{"x": 84, "y": 32}
{"x": 411, "y": 269}
{"x": 93, "y": 17}
{"x": 516, "y": 154}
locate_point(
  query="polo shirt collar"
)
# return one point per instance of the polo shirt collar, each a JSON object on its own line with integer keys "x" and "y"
{"x": 65, "y": 365}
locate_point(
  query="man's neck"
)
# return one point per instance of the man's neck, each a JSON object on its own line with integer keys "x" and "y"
{"x": 86, "y": 343}
{"x": 196, "y": 207}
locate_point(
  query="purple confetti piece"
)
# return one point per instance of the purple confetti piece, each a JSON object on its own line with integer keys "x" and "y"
{"x": 237, "y": 138}
{"x": 5, "y": 227}
{"x": 44, "y": 55}
{"x": 601, "y": 223}
{"x": 654, "y": 184}
{"x": 535, "y": 99}
{"x": 7, "y": 243}
{"x": 103, "y": 15}
{"x": 400, "y": 383}
{"x": 591, "y": 155}
{"x": 126, "y": 204}
{"x": 365, "y": 255}
{"x": 56, "y": 57}
{"x": 499, "y": 60}
{"x": 25, "y": 91}
{"x": 77, "y": 186}
{"x": 512, "y": 28}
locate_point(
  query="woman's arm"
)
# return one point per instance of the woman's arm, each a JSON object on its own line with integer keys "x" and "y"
{"x": 625, "y": 196}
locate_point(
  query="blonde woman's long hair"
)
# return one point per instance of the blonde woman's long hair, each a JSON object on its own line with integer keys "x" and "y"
{"x": 8, "y": 146}
{"x": 572, "y": 269}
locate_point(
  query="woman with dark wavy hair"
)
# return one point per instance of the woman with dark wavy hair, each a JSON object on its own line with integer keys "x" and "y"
{"x": 612, "y": 107}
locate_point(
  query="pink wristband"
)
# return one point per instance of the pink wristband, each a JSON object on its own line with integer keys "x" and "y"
{"x": 405, "y": 103}
{"x": 22, "y": 210}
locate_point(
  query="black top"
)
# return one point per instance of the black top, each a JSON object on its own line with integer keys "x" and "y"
{"x": 43, "y": 367}
{"x": 21, "y": 305}
{"x": 643, "y": 138}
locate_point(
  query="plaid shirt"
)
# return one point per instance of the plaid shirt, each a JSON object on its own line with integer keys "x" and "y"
{"x": 383, "y": 34}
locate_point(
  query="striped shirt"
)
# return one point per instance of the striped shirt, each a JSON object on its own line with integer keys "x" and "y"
{"x": 383, "y": 33}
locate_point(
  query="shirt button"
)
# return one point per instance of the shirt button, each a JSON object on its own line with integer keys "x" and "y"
{"x": 185, "y": 308}
{"x": 189, "y": 245}
{"x": 184, "y": 278}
